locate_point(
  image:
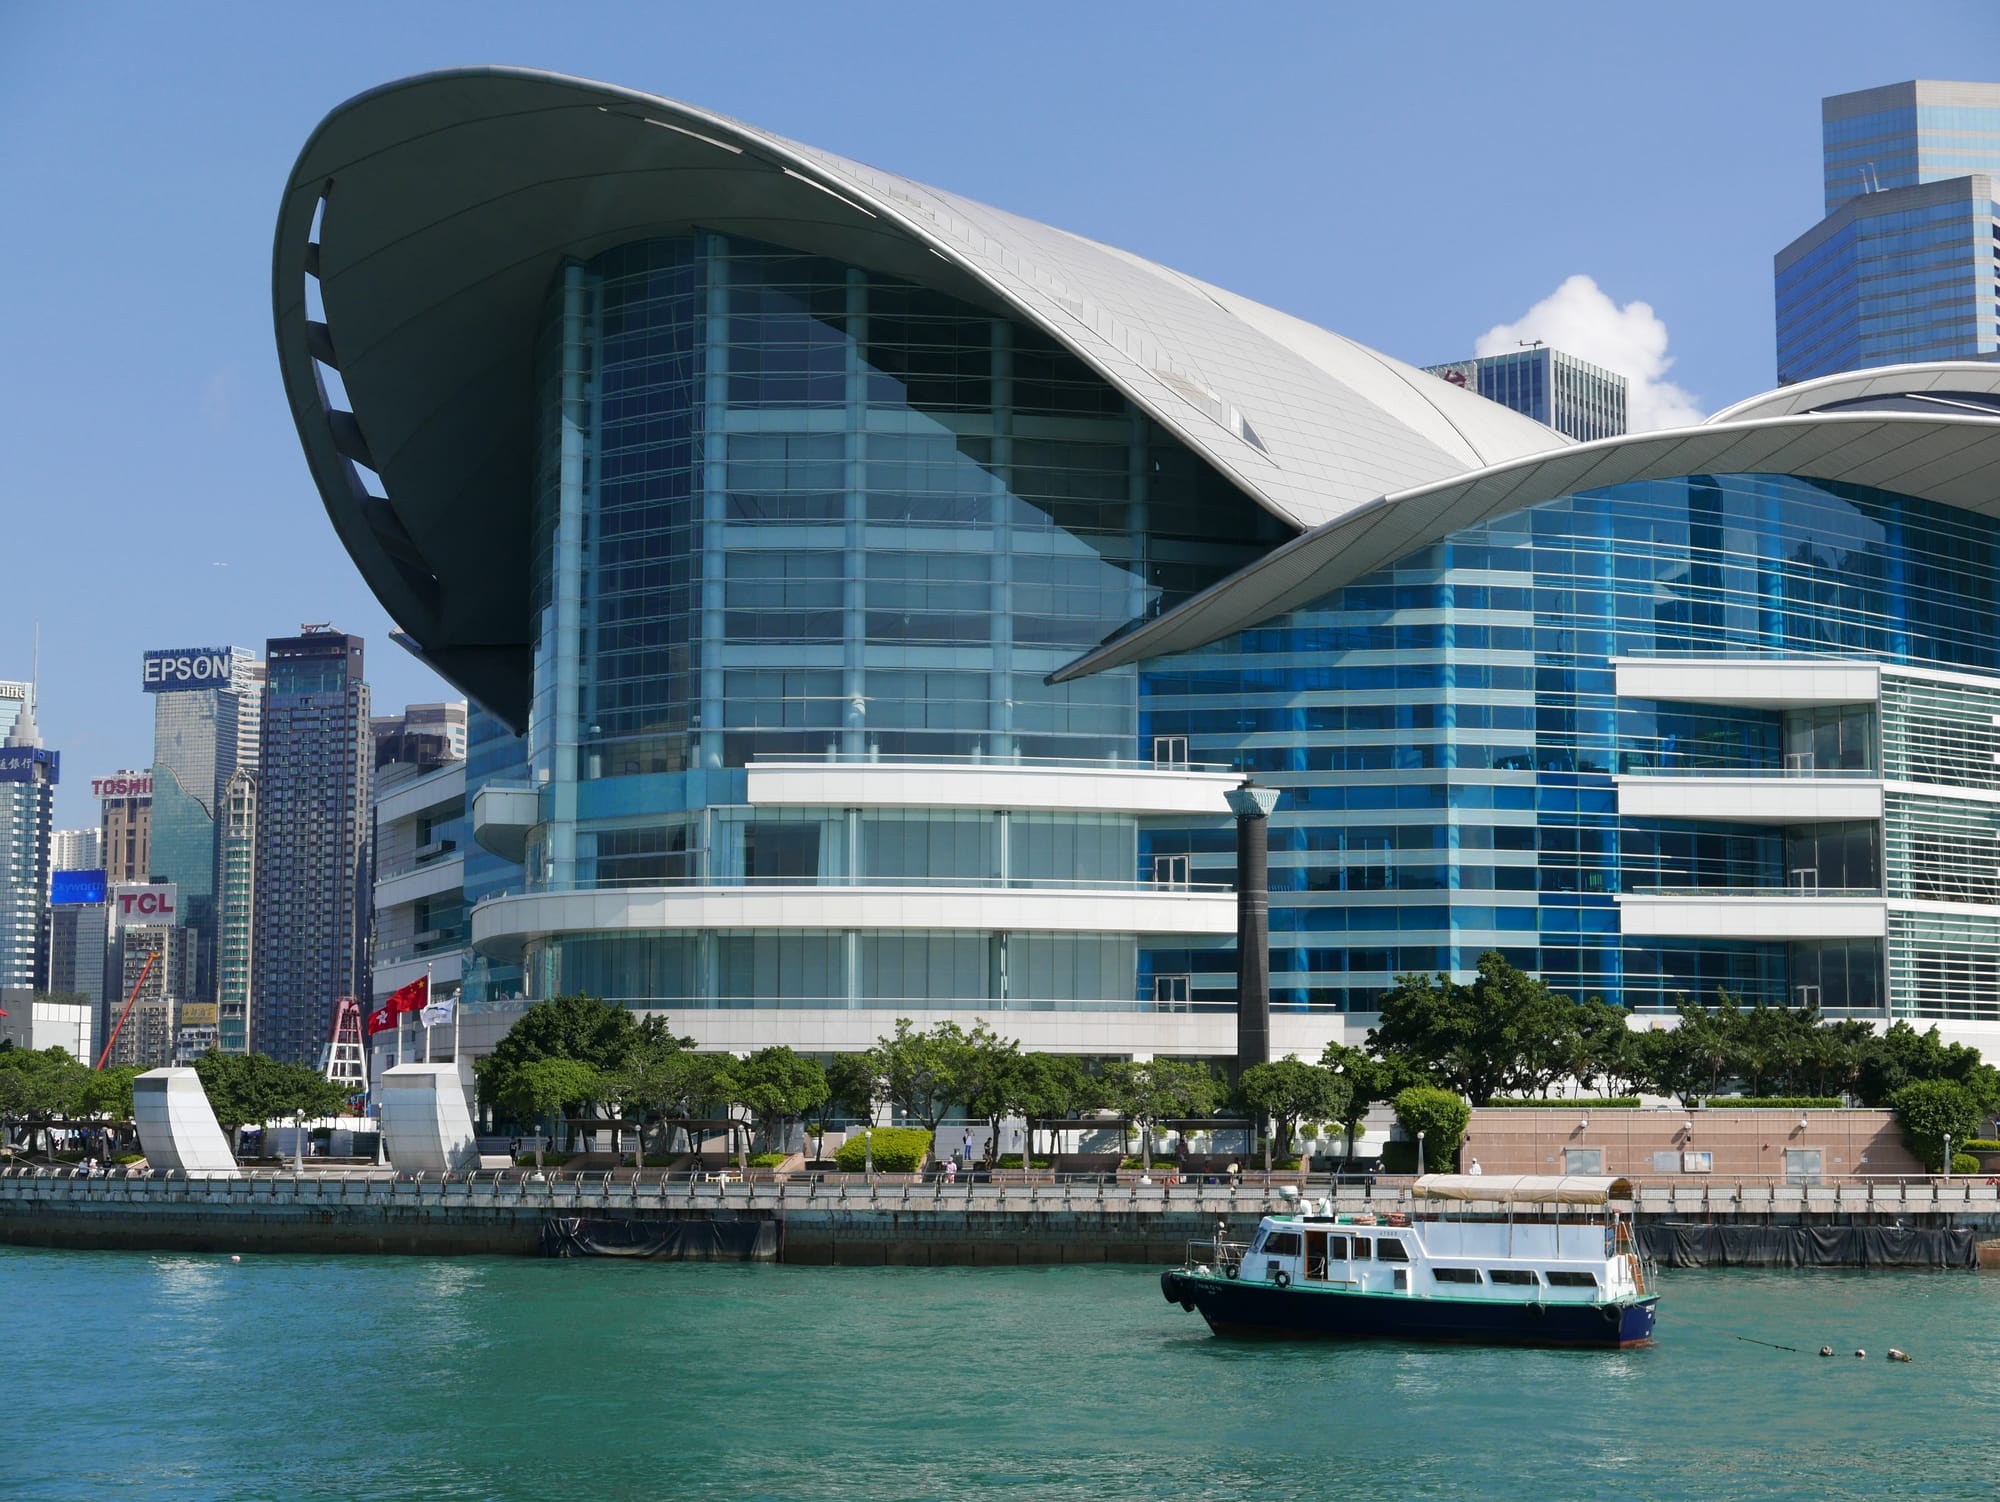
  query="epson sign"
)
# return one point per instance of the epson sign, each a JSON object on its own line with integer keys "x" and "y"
{"x": 190, "y": 667}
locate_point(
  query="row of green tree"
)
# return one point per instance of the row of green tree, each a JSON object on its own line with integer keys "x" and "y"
{"x": 1505, "y": 1032}
{"x": 576, "y": 1058}
{"x": 41, "y": 1089}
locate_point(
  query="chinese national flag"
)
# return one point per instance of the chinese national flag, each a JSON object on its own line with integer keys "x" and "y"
{"x": 411, "y": 998}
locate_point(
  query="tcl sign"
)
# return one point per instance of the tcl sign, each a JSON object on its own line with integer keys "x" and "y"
{"x": 153, "y": 903}
{"x": 123, "y": 785}
{"x": 185, "y": 668}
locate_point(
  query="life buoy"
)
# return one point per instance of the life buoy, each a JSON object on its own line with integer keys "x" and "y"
{"x": 1230, "y": 1270}
{"x": 1282, "y": 1278}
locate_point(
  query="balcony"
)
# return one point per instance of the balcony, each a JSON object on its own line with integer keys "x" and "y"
{"x": 501, "y": 924}
{"x": 1775, "y": 796}
{"x": 1136, "y": 787}
{"x": 503, "y": 814}
{"x": 1768, "y": 913}
{"x": 1754, "y": 683}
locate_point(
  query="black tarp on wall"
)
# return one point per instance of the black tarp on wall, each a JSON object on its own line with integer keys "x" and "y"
{"x": 665, "y": 1240}
{"x": 1684, "y": 1244}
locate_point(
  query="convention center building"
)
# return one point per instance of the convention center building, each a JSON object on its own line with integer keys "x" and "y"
{"x": 868, "y": 598}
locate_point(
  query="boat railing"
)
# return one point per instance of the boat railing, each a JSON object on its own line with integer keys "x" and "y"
{"x": 1214, "y": 1254}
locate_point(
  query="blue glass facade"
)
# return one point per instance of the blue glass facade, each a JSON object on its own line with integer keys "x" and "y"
{"x": 1906, "y": 264}
{"x": 1447, "y": 731}
{"x": 786, "y": 507}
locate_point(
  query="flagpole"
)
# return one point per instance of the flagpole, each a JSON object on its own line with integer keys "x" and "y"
{"x": 420, "y": 1015}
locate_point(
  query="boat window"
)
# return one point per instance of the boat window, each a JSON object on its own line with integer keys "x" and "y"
{"x": 1520, "y": 1275}
{"x": 1456, "y": 1274}
{"x": 1390, "y": 1249}
{"x": 1282, "y": 1244}
{"x": 1363, "y": 1248}
{"x": 1257, "y": 1242}
{"x": 1572, "y": 1280}
{"x": 1336, "y": 1248}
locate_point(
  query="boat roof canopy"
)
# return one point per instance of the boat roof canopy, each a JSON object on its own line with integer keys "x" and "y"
{"x": 1522, "y": 1188}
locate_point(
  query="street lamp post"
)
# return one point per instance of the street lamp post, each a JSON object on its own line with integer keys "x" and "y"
{"x": 1252, "y": 806}
{"x": 1420, "y": 1155}
{"x": 868, "y": 1150}
{"x": 1947, "y": 1157}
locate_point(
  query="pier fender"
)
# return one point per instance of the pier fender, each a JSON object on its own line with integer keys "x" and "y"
{"x": 1536, "y": 1310}
{"x": 1613, "y": 1313}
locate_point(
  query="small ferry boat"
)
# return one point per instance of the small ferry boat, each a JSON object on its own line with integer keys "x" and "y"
{"x": 1492, "y": 1259}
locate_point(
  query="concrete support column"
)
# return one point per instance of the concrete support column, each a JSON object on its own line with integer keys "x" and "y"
{"x": 1252, "y": 806}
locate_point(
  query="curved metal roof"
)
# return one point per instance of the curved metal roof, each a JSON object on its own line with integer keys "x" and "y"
{"x": 1928, "y": 378}
{"x": 1951, "y": 457}
{"x": 450, "y": 200}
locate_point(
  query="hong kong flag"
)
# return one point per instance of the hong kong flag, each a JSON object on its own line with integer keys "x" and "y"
{"x": 411, "y": 998}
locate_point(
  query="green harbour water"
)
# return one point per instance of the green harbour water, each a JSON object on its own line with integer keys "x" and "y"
{"x": 175, "y": 1376}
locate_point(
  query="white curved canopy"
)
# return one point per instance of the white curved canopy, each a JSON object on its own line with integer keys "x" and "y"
{"x": 450, "y": 200}
{"x": 1859, "y": 385}
{"x": 1952, "y": 458}
{"x": 1522, "y": 1188}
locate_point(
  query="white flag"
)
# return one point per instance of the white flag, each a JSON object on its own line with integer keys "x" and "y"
{"x": 438, "y": 1012}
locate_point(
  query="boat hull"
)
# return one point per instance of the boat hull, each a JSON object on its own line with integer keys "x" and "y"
{"x": 1234, "y": 1307}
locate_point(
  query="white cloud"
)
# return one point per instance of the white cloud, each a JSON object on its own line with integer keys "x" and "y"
{"x": 1579, "y": 319}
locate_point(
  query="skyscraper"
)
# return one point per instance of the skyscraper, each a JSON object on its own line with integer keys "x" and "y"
{"x": 75, "y": 850}
{"x": 423, "y": 735}
{"x": 309, "y": 932}
{"x": 201, "y": 698}
{"x": 235, "y": 912}
{"x": 125, "y": 801}
{"x": 28, "y": 775}
{"x": 1576, "y": 398}
{"x": 1906, "y": 264}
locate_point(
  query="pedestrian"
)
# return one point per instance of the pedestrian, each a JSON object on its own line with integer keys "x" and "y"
{"x": 966, "y": 1150}
{"x": 1474, "y": 1168}
{"x": 951, "y": 1171}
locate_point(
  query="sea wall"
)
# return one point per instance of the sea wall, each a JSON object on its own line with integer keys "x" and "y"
{"x": 1659, "y": 1142}
{"x": 844, "y": 1224}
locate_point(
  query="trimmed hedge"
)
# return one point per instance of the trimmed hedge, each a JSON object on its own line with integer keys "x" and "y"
{"x": 1595, "y": 1103}
{"x": 1981, "y": 1145}
{"x": 1773, "y": 1102}
{"x": 1013, "y": 1160}
{"x": 1965, "y": 1163}
{"x": 767, "y": 1160}
{"x": 897, "y": 1150}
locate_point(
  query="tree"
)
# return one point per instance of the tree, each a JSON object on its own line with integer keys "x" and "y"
{"x": 540, "y": 1088}
{"x": 1153, "y": 1090}
{"x": 1504, "y": 1028}
{"x": 1438, "y": 1119}
{"x": 853, "y": 1089}
{"x": 1290, "y": 1092}
{"x": 1369, "y": 1080}
{"x": 1604, "y": 1047}
{"x": 1903, "y": 1055}
{"x": 991, "y": 1080}
{"x": 39, "y": 1087}
{"x": 778, "y": 1087}
{"x": 1931, "y": 1111}
{"x": 1053, "y": 1085}
{"x": 924, "y": 1074}
{"x": 580, "y": 1028}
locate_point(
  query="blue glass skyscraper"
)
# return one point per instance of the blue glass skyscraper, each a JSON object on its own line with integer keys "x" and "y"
{"x": 1906, "y": 264}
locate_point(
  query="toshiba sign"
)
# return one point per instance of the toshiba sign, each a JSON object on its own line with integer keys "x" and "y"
{"x": 123, "y": 785}
{"x": 156, "y": 903}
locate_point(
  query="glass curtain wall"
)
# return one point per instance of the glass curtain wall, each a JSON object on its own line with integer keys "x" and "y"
{"x": 1446, "y": 731}
{"x": 786, "y": 507}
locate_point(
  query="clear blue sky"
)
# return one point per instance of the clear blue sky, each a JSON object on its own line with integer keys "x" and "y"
{"x": 1409, "y": 175}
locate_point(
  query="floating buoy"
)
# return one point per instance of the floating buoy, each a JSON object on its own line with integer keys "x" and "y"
{"x": 1861, "y": 1353}
{"x": 1896, "y": 1355}
{"x": 1826, "y": 1350}
{"x": 234, "y": 1258}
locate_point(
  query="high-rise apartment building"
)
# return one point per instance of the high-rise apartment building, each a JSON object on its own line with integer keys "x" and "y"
{"x": 202, "y": 698}
{"x": 423, "y": 735}
{"x": 75, "y": 850}
{"x": 1576, "y": 398}
{"x": 28, "y": 775}
{"x": 157, "y": 992}
{"x": 309, "y": 932}
{"x": 77, "y": 935}
{"x": 235, "y": 912}
{"x": 1906, "y": 264}
{"x": 125, "y": 821}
